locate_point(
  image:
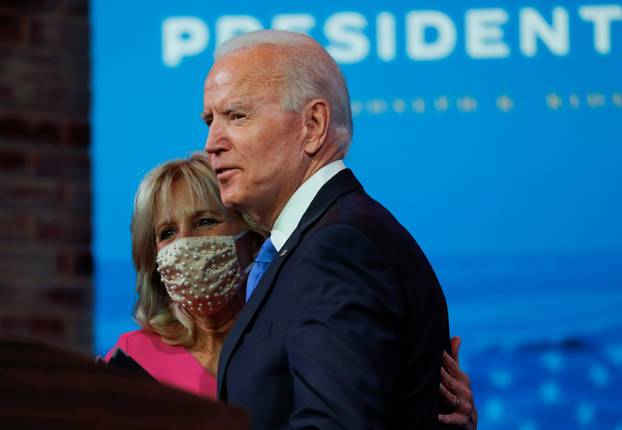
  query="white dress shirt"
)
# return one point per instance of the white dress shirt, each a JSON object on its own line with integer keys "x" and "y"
{"x": 299, "y": 202}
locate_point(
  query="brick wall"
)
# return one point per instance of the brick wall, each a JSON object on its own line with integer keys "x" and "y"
{"x": 45, "y": 192}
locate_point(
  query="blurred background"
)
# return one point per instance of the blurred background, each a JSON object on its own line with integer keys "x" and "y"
{"x": 492, "y": 130}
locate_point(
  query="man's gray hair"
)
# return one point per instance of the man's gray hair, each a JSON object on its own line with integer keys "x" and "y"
{"x": 309, "y": 72}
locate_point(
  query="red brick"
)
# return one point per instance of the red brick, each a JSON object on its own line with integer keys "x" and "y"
{"x": 68, "y": 230}
{"x": 29, "y": 194}
{"x": 33, "y": 6}
{"x": 79, "y": 134}
{"x": 73, "y": 297}
{"x": 75, "y": 262}
{"x": 41, "y": 92}
{"x": 83, "y": 235}
{"x": 45, "y": 197}
{"x": 49, "y": 326}
{"x": 45, "y": 32}
{"x": 76, "y": 36}
{"x": 10, "y": 29}
{"x": 71, "y": 35}
{"x": 75, "y": 103}
{"x": 40, "y": 64}
{"x": 65, "y": 195}
{"x": 14, "y": 127}
{"x": 62, "y": 164}
{"x": 77, "y": 7}
{"x": 15, "y": 225}
{"x": 11, "y": 324}
{"x": 49, "y": 230}
{"x": 46, "y": 98}
{"x": 6, "y": 94}
{"x": 79, "y": 201}
{"x": 17, "y": 127}
{"x": 64, "y": 263}
{"x": 12, "y": 160}
{"x": 83, "y": 263}
{"x": 47, "y": 131}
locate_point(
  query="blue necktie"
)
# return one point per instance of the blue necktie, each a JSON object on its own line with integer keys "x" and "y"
{"x": 262, "y": 261}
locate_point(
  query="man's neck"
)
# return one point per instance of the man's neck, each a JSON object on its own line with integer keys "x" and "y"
{"x": 272, "y": 213}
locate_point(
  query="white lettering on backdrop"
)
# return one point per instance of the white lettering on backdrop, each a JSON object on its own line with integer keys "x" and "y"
{"x": 430, "y": 35}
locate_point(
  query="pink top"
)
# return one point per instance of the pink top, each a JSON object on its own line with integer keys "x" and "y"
{"x": 168, "y": 364}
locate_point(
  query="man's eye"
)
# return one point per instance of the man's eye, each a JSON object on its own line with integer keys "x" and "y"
{"x": 236, "y": 115}
{"x": 166, "y": 234}
{"x": 207, "y": 119}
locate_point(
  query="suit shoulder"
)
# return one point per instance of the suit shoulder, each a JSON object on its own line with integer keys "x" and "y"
{"x": 366, "y": 215}
{"x": 339, "y": 234}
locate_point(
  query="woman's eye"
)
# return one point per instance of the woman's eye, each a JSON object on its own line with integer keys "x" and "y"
{"x": 166, "y": 234}
{"x": 207, "y": 222}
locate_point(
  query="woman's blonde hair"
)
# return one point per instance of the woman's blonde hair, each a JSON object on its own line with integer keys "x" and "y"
{"x": 154, "y": 310}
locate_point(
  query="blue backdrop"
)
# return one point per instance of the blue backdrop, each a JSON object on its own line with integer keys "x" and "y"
{"x": 491, "y": 130}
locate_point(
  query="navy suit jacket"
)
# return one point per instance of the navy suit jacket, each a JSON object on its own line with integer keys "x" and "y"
{"x": 346, "y": 328}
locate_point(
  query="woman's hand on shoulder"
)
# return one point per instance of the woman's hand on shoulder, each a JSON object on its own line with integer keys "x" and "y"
{"x": 456, "y": 391}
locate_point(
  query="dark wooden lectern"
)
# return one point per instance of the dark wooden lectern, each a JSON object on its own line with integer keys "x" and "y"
{"x": 44, "y": 387}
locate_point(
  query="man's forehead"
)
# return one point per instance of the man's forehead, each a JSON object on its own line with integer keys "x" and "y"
{"x": 231, "y": 81}
{"x": 233, "y": 95}
{"x": 219, "y": 76}
{"x": 243, "y": 71}
{"x": 240, "y": 89}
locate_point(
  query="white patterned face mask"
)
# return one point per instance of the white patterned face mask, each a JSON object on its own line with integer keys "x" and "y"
{"x": 201, "y": 273}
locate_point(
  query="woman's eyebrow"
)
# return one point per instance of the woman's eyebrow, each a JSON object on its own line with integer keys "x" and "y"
{"x": 162, "y": 224}
{"x": 205, "y": 211}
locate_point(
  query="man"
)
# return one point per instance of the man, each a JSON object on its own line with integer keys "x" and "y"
{"x": 347, "y": 326}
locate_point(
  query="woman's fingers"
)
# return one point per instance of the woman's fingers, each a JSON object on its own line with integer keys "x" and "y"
{"x": 455, "y": 388}
{"x": 455, "y": 348}
{"x": 450, "y": 365}
{"x": 456, "y": 419}
{"x": 449, "y": 397}
{"x": 453, "y": 384}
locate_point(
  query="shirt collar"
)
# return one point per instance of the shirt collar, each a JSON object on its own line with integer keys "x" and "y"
{"x": 299, "y": 202}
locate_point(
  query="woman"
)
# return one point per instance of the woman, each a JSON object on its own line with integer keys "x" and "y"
{"x": 184, "y": 320}
{"x": 191, "y": 255}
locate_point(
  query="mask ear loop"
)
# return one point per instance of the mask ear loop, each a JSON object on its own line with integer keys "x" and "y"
{"x": 244, "y": 276}
{"x": 240, "y": 235}
{"x": 247, "y": 270}
{"x": 248, "y": 267}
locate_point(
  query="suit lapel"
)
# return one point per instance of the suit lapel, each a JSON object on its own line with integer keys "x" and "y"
{"x": 342, "y": 183}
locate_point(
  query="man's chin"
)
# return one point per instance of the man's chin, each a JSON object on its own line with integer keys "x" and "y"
{"x": 229, "y": 197}
{"x": 235, "y": 197}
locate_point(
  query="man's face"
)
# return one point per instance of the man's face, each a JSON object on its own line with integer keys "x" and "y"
{"x": 254, "y": 146}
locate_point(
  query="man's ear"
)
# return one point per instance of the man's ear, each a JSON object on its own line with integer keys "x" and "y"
{"x": 316, "y": 118}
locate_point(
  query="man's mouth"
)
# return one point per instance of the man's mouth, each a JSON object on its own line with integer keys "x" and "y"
{"x": 223, "y": 174}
